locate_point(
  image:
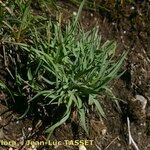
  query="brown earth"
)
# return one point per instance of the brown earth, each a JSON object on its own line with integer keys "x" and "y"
{"x": 129, "y": 26}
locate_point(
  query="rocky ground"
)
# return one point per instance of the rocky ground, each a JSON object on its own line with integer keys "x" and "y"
{"x": 129, "y": 26}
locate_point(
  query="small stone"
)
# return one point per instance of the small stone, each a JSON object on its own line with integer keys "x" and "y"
{"x": 32, "y": 146}
{"x": 17, "y": 122}
{"x": 10, "y": 148}
{"x": 140, "y": 133}
{"x": 113, "y": 23}
{"x": 74, "y": 13}
{"x": 30, "y": 129}
{"x": 104, "y": 131}
{"x": 132, "y": 8}
{"x": 82, "y": 147}
{"x": 119, "y": 145}
{"x": 142, "y": 100}
{"x": 21, "y": 138}
{"x": 56, "y": 146}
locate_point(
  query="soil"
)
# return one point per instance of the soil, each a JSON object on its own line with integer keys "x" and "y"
{"x": 128, "y": 24}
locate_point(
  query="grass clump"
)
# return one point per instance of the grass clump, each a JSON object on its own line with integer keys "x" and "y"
{"x": 66, "y": 68}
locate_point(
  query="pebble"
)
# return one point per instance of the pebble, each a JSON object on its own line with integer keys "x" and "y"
{"x": 33, "y": 146}
{"x": 143, "y": 124}
{"x": 113, "y": 23}
{"x": 104, "y": 131}
{"x": 140, "y": 133}
{"x": 82, "y": 147}
{"x": 119, "y": 145}
{"x": 30, "y": 129}
{"x": 74, "y": 13}
{"x": 142, "y": 100}
{"x": 132, "y": 8}
{"x": 17, "y": 122}
{"x": 91, "y": 14}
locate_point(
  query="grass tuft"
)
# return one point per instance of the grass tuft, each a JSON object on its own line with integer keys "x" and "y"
{"x": 64, "y": 67}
